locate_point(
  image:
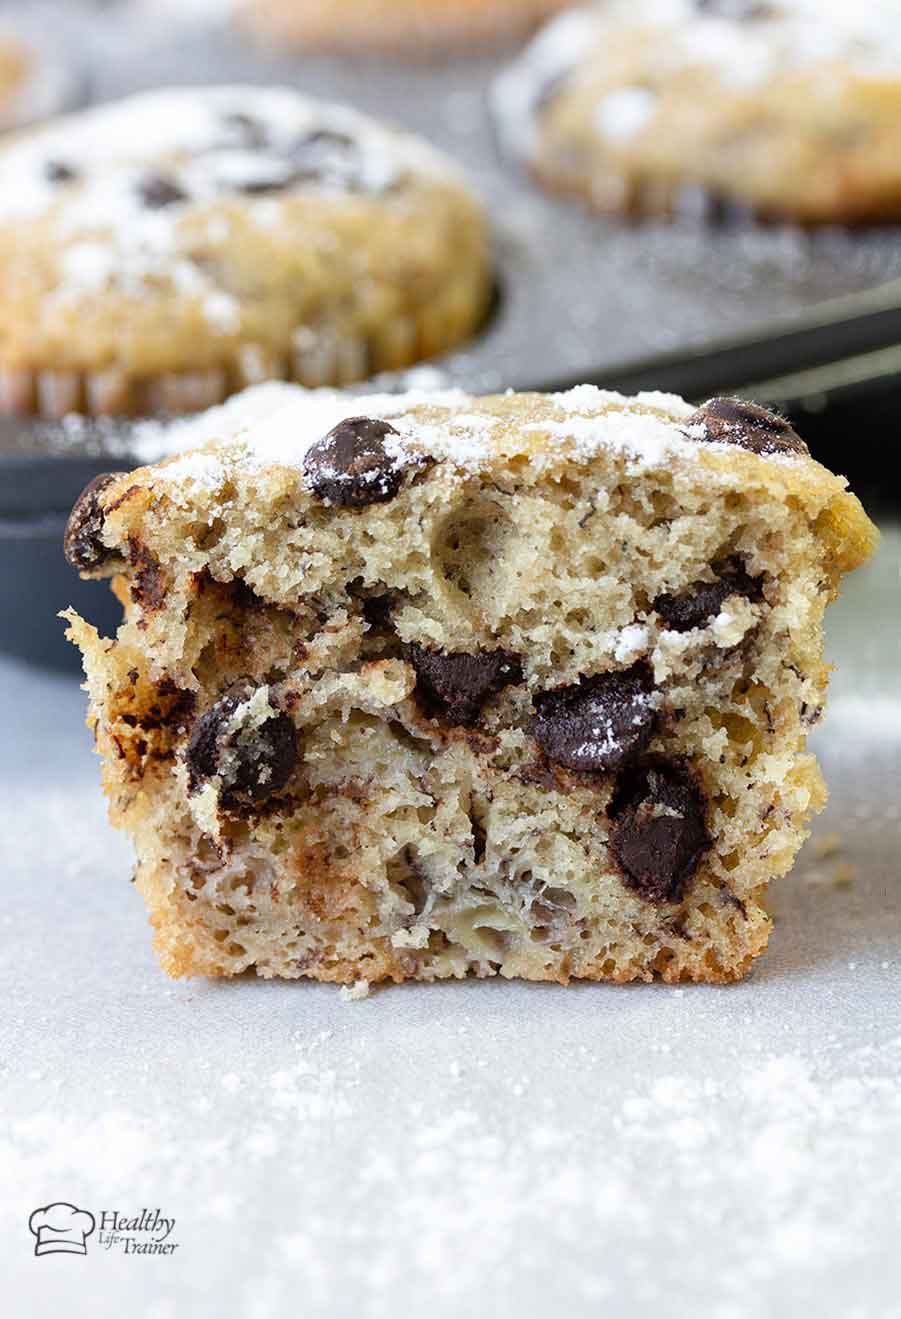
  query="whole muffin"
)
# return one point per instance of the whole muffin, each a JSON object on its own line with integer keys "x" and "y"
{"x": 159, "y": 253}
{"x": 783, "y": 109}
{"x": 402, "y": 26}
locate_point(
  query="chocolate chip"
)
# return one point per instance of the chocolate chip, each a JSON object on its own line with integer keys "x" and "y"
{"x": 82, "y": 543}
{"x": 454, "y": 686}
{"x": 253, "y": 762}
{"x": 704, "y": 600}
{"x": 351, "y": 467}
{"x": 158, "y": 192}
{"x": 328, "y": 156}
{"x": 735, "y": 421}
{"x": 244, "y": 596}
{"x": 659, "y": 833}
{"x": 244, "y": 129}
{"x": 377, "y": 611}
{"x": 324, "y": 139}
{"x": 58, "y": 171}
{"x": 264, "y": 183}
{"x": 601, "y": 723}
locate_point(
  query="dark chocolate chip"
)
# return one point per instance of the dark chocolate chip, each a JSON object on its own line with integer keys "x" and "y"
{"x": 324, "y": 139}
{"x": 351, "y": 467}
{"x": 158, "y": 192}
{"x": 377, "y": 611}
{"x": 82, "y": 544}
{"x": 244, "y": 596}
{"x": 253, "y": 763}
{"x": 658, "y": 833}
{"x": 58, "y": 171}
{"x": 601, "y": 723}
{"x": 453, "y": 687}
{"x": 479, "y": 837}
{"x": 264, "y": 184}
{"x": 328, "y": 156}
{"x": 735, "y": 421}
{"x": 704, "y": 600}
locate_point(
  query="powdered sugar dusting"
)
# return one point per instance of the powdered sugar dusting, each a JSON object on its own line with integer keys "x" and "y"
{"x": 204, "y": 147}
{"x": 479, "y": 1171}
{"x": 275, "y": 425}
{"x": 788, "y": 36}
{"x": 622, "y": 115}
{"x": 647, "y": 439}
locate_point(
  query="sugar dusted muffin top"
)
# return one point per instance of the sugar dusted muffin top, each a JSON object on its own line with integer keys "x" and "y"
{"x": 220, "y": 236}
{"x": 781, "y": 108}
{"x": 270, "y": 431}
{"x": 272, "y": 467}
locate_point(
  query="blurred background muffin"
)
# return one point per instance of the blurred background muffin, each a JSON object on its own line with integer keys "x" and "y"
{"x": 393, "y": 26}
{"x": 159, "y": 253}
{"x": 787, "y": 109}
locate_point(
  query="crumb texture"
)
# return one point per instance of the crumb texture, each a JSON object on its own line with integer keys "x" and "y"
{"x": 419, "y": 687}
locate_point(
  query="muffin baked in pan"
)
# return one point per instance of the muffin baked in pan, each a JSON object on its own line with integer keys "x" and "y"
{"x": 399, "y": 27}
{"x": 580, "y": 296}
{"x": 159, "y": 253}
{"x": 783, "y": 109}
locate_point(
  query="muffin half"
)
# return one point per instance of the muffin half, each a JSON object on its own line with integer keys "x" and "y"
{"x": 416, "y": 686}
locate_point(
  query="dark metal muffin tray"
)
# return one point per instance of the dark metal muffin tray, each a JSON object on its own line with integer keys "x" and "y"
{"x": 774, "y": 311}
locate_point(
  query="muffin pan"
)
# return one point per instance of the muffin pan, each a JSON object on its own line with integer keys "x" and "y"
{"x": 685, "y": 307}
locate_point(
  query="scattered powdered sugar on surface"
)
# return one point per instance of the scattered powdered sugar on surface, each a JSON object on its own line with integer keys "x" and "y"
{"x": 478, "y": 1178}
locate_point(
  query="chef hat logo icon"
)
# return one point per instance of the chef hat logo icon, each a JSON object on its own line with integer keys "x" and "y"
{"x": 61, "y": 1229}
